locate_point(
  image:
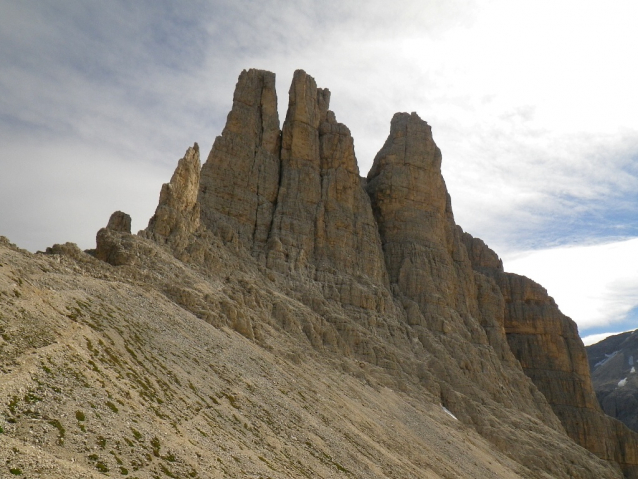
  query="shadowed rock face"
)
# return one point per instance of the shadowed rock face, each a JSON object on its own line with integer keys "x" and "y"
{"x": 613, "y": 363}
{"x": 547, "y": 344}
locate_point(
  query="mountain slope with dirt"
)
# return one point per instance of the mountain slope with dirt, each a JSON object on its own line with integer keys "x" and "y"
{"x": 282, "y": 317}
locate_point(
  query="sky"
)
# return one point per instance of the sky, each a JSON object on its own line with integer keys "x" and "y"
{"x": 533, "y": 105}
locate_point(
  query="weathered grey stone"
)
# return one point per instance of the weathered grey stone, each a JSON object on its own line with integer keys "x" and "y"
{"x": 294, "y": 198}
{"x": 374, "y": 270}
{"x": 109, "y": 241}
{"x": 423, "y": 254}
{"x": 119, "y": 221}
{"x": 240, "y": 179}
{"x": 323, "y": 223}
{"x": 178, "y": 212}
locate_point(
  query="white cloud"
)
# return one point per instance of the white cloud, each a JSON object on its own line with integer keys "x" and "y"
{"x": 72, "y": 191}
{"x": 596, "y": 338}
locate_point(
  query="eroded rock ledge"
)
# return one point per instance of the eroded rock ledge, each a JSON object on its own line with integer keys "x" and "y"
{"x": 546, "y": 343}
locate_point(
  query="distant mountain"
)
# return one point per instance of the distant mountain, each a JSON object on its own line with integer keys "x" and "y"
{"x": 613, "y": 363}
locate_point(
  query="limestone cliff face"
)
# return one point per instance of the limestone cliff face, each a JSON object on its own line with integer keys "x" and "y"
{"x": 421, "y": 246}
{"x": 323, "y": 221}
{"x": 239, "y": 181}
{"x": 178, "y": 213}
{"x": 375, "y": 271}
{"x": 456, "y": 315}
{"x": 293, "y": 198}
{"x": 547, "y": 344}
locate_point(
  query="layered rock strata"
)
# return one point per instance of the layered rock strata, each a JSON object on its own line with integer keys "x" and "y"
{"x": 547, "y": 344}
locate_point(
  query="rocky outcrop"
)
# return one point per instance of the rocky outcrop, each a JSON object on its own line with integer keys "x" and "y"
{"x": 239, "y": 181}
{"x": 421, "y": 246}
{"x": 457, "y": 316}
{"x": 178, "y": 212}
{"x": 323, "y": 223}
{"x": 547, "y": 344}
{"x": 110, "y": 247}
{"x": 120, "y": 222}
{"x": 612, "y": 363}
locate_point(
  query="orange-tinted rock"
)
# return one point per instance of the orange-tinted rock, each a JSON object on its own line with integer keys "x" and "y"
{"x": 546, "y": 343}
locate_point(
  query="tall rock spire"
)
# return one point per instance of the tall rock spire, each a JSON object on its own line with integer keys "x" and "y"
{"x": 178, "y": 212}
{"x": 323, "y": 222}
{"x": 240, "y": 179}
{"x": 292, "y": 198}
{"x": 293, "y": 233}
{"x": 378, "y": 271}
{"x": 423, "y": 253}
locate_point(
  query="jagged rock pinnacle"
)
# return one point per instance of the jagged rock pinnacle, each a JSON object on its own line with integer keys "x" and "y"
{"x": 239, "y": 180}
{"x": 178, "y": 212}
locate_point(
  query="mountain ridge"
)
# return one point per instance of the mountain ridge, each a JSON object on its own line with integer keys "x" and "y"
{"x": 277, "y": 238}
{"x": 611, "y": 362}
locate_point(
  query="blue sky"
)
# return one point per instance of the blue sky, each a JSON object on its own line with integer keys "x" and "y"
{"x": 532, "y": 103}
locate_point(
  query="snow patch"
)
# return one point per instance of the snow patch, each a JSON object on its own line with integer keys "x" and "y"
{"x": 448, "y": 412}
{"x": 633, "y": 369}
{"x": 607, "y": 358}
{"x": 622, "y": 382}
